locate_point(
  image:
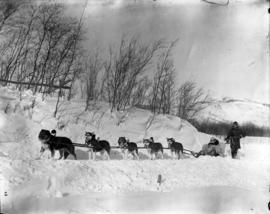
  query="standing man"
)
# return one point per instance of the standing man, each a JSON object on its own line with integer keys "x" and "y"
{"x": 233, "y": 137}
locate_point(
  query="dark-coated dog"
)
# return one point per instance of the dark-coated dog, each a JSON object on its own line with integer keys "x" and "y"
{"x": 128, "y": 148}
{"x": 97, "y": 145}
{"x": 51, "y": 142}
{"x": 175, "y": 147}
{"x": 153, "y": 148}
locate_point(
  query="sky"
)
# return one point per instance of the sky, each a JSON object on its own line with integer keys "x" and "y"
{"x": 224, "y": 49}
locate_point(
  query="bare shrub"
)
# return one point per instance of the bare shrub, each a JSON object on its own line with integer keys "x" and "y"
{"x": 124, "y": 68}
{"x": 191, "y": 100}
{"x": 140, "y": 93}
{"x": 213, "y": 128}
{"x": 41, "y": 53}
{"x": 222, "y": 128}
{"x": 8, "y": 9}
{"x": 92, "y": 68}
{"x": 162, "y": 93}
{"x": 251, "y": 129}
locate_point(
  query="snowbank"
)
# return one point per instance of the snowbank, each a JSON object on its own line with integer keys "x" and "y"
{"x": 23, "y": 115}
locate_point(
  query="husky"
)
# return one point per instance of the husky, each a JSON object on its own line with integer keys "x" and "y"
{"x": 97, "y": 145}
{"x": 175, "y": 147}
{"x": 153, "y": 148}
{"x": 50, "y": 142}
{"x": 128, "y": 148}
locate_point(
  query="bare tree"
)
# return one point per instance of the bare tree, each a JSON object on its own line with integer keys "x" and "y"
{"x": 8, "y": 9}
{"x": 15, "y": 48}
{"x": 140, "y": 93}
{"x": 92, "y": 67}
{"x": 191, "y": 100}
{"x": 124, "y": 68}
{"x": 76, "y": 50}
{"x": 162, "y": 95}
{"x": 43, "y": 49}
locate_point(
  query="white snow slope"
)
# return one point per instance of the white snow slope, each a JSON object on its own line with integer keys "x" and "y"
{"x": 189, "y": 185}
{"x": 244, "y": 111}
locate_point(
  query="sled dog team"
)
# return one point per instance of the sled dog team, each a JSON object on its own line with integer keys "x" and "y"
{"x": 49, "y": 141}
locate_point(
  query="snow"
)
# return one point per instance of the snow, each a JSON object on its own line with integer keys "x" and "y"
{"x": 189, "y": 185}
{"x": 243, "y": 111}
{"x": 196, "y": 200}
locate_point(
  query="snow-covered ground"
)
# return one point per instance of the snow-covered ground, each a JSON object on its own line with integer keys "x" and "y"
{"x": 189, "y": 185}
{"x": 204, "y": 185}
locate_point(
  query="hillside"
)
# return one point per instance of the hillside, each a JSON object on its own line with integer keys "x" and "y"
{"x": 243, "y": 111}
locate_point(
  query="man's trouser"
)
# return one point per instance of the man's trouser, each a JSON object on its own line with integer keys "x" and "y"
{"x": 235, "y": 145}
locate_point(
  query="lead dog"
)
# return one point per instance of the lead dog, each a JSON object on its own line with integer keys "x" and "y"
{"x": 51, "y": 142}
{"x": 175, "y": 147}
{"x": 128, "y": 148}
{"x": 153, "y": 148}
{"x": 97, "y": 145}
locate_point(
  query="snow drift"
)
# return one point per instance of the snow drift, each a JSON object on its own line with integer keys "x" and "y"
{"x": 24, "y": 118}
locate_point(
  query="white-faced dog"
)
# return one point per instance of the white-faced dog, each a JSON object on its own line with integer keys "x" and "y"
{"x": 97, "y": 145}
{"x": 128, "y": 148}
{"x": 153, "y": 148}
{"x": 175, "y": 147}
